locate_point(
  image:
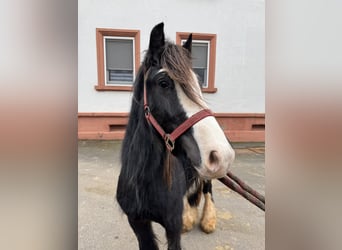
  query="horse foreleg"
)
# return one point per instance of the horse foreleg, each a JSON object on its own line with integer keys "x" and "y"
{"x": 208, "y": 220}
{"x": 190, "y": 215}
{"x": 173, "y": 228}
{"x": 173, "y": 239}
{"x": 144, "y": 233}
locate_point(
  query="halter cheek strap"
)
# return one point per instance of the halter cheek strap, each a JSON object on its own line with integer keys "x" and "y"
{"x": 170, "y": 139}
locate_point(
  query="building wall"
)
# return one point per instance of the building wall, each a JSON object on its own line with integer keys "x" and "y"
{"x": 239, "y": 25}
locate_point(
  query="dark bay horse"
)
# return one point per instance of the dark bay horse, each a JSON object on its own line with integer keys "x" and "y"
{"x": 161, "y": 179}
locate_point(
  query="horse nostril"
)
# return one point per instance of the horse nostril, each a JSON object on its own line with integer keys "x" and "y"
{"x": 213, "y": 157}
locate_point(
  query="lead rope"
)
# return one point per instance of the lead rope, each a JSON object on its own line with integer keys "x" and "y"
{"x": 243, "y": 189}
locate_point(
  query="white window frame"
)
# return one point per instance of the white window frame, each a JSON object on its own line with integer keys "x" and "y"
{"x": 105, "y": 57}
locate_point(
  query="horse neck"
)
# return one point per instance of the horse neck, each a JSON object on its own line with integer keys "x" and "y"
{"x": 142, "y": 150}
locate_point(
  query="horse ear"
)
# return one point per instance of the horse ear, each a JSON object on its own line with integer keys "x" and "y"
{"x": 157, "y": 41}
{"x": 188, "y": 43}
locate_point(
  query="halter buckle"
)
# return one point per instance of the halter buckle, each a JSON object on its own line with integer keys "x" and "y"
{"x": 170, "y": 144}
{"x": 147, "y": 111}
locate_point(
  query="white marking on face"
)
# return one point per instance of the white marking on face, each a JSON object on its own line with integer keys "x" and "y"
{"x": 216, "y": 153}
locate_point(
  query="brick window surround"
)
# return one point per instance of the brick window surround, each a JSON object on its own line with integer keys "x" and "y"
{"x": 100, "y": 34}
{"x": 212, "y": 55}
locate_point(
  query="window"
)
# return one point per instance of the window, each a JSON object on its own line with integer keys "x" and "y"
{"x": 200, "y": 50}
{"x": 118, "y": 58}
{"x": 203, "y": 58}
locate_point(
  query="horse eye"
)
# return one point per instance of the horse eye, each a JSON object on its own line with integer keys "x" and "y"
{"x": 164, "y": 84}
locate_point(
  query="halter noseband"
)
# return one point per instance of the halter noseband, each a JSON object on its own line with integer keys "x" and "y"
{"x": 170, "y": 139}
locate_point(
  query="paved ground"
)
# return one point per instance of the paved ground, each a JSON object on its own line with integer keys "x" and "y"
{"x": 240, "y": 226}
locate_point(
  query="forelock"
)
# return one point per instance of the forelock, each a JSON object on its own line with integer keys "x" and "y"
{"x": 176, "y": 60}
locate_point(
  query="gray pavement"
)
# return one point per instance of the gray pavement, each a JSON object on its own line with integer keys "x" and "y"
{"x": 102, "y": 225}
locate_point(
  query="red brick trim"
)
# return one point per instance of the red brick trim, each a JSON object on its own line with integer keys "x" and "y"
{"x": 242, "y": 127}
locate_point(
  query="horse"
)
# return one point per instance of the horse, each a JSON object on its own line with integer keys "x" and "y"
{"x": 162, "y": 175}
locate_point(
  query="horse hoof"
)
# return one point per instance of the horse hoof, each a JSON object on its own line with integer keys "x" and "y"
{"x": 187, "y": 227}
{"x": 208, "y": 225}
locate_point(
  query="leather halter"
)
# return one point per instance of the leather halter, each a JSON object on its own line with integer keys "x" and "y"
{"x": 170, "y": 139}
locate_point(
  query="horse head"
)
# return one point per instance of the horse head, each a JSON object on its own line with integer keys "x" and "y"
{"x": 173, "y": 94}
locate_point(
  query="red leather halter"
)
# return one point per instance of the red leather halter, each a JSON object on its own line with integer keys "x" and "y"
{"x": 188, "y": 123}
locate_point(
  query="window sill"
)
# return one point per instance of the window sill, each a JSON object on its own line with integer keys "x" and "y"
{"x": 209, "y": 90}
{"x": 113, "y": 88}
